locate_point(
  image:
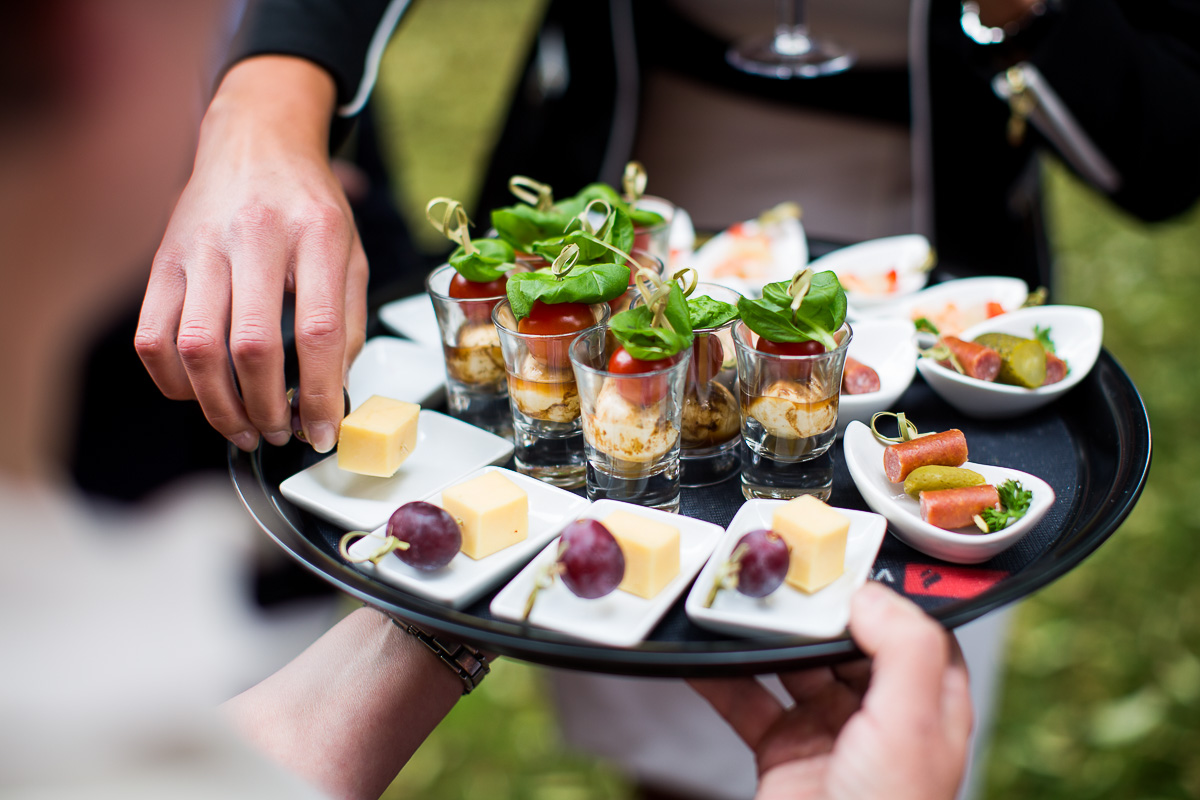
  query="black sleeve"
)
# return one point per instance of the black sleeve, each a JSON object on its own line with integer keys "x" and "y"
{"x": 335, "y": 34}
{"x": 1129, "y": 71}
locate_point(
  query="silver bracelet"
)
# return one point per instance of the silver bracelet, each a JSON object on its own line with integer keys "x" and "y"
{"x": 979, "y": 33}
{"x": 469, "y": 664}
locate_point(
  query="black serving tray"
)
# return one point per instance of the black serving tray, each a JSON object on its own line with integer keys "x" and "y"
{"x": 1092, "y": 446}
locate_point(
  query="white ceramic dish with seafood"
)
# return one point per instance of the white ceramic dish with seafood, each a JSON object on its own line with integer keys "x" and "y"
{"x": 886, "y": 346}
{"x": 1077, "y": 333}
{"x": 820, "y": 615}
{"x": 956, "y": 305}
{"x": 878, "y": 272}
{"x": 864, "y": 459}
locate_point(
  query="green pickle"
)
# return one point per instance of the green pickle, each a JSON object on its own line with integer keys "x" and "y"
{"x": 1022, "y": 361}
{"x": 928, "y": 479}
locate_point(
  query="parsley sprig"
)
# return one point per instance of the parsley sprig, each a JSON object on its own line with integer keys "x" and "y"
{"x": 1014, "y": 502}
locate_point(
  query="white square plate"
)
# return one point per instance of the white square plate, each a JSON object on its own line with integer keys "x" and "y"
{"x": 619, "y": 619}
{"x": 821, "y": 615}
{"x": 413, "y": 317}
{"x": 447, "y": 449}
{"x": 397, "y": 369}
{"x": 464, "y": 580}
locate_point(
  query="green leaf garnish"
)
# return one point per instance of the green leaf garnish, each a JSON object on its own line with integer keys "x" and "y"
{"x": 925, "y": 324}
{"x": 1042, "y": 335}
{"x": 637, "y": 332}
{"x": 1014, "y": 503}
{"x": 490, "y": 260}
{"x": 708, "y": 313}
{"x": 821, "y": 312}
{"x": 595, "y": 283}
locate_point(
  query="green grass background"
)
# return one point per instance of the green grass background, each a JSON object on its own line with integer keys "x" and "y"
{"x": 1102, "y": 694}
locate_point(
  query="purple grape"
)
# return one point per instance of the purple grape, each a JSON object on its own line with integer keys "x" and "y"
{"x": 763, "y": 564}
{"x": 433, "y": 536}
{"x": 592, "y": 562}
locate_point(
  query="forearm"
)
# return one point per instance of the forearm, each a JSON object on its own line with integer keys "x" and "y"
{"x": 351, "y": 710}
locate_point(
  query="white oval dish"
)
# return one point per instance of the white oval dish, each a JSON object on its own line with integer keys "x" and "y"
{"x": 886, "y": 346}
{"x": 1077, "y": 333}
{"x": 871, "y": 261}
{"x": 820, "y": 615}
{"x": 864, "y": 459}
{"x": 969, "y": 295}
{"x": 751, "y": 254}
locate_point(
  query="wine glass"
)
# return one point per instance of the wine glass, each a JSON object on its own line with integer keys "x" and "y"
{"x": 789, "y": 52}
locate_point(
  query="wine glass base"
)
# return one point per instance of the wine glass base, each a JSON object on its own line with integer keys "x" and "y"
{"x": 816, "y": 58}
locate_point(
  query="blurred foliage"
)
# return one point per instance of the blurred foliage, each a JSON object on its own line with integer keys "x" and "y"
{"x": 1102, "y": 697}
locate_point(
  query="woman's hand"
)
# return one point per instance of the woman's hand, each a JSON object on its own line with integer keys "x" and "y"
{"x": 897, "y": 726}
{"x": 263, "y": 214}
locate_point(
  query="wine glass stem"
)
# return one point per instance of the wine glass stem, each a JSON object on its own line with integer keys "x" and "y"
{"x": 791, "y": 30}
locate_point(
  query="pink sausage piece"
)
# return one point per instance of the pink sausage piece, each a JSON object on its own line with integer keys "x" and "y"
{"x": 1056, "y": 369}
{"x": 956, "y": 508}
{"x": 858, "y": 378}
{"x": 977, "y": 361}
{"x": 945, "y": 449}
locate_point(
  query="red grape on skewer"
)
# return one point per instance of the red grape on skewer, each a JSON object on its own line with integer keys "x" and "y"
{"x": 422, "y": 535}
{"x": 589, "y": 560}
{"x": 757, "y": 566}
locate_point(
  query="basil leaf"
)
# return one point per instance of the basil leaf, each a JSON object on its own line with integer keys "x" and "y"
{"x": 622, "y": 234}
{"x": 492, "y": 259}
{"x": 821, "y": 313}
{"x": 640, "y": 218}
{"x": 634, "y": 330}
{"x": 708, "y": 313}
{"x": 522, "y": 225}
{"x": 597, "y": 283}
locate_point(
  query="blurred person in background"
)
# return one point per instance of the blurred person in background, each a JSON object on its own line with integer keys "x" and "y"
{"x": 122, "y": 628}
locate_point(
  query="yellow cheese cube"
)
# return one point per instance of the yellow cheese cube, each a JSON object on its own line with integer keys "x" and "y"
{"x": 378, "y": 436}
{"x": 816, "y": 535}
{"x": 491, "y": 510}
{"x": 651, "y": 552}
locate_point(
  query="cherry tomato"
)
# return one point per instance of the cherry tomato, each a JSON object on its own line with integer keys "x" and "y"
{"x": 791, "y": 370}
{"x": 463, "y": 289}
{"x": 557, "y": 319}
{"x": 707, "y": 358}
{"x": 491, "y": 292}
{"x": 641, "y": 391}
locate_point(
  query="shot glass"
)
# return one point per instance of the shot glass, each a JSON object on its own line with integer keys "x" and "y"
{"x": 642, "y": 259}
{"x": 476, "y": 391}
{"x": 655, "y": 240}
{"x": 631, "y": 424}
{"x": 789, "y": 410}
{"x": 543, "y": 399}
{"x": 711, "y": 433}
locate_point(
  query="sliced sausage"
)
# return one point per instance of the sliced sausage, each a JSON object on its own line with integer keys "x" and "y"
{"x": 945, "y": 449}
{"x": 858, "y": 378}
{"x": 976, "y": 360}
{"x": 956, "y": 508}
{"x": 1056, "y": 369}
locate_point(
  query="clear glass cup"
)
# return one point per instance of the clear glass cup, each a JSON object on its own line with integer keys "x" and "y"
{"x": 789, "y": 408}
{"x": 543, "y": 399}
{"x": 711, "y": 413}
{"x": 476, "y": 391}
{"x": 655, "y": 240}
{"x": 631, "y": 424}
{"x": 641, "y": 259}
